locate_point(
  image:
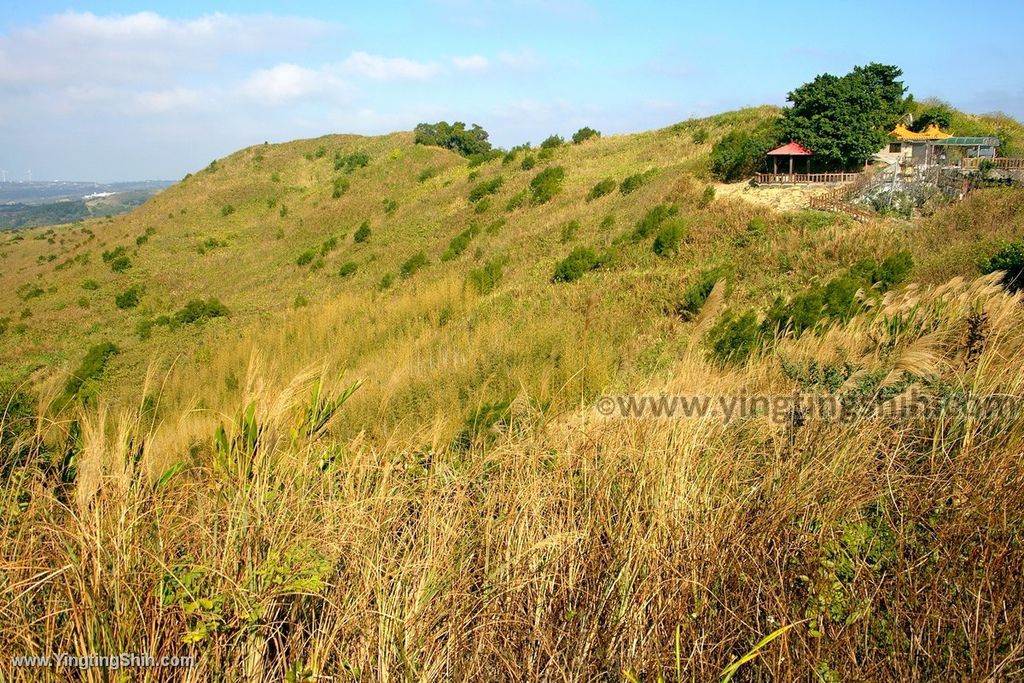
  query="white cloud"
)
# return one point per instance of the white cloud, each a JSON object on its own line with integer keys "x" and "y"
{"x": 136, "y": 48}
{"x": 471, "y": 63}
{"x": 377, "y": 68}
{"x": 285, "y": 83}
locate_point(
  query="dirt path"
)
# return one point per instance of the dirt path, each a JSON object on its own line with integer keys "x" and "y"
{"x": 779, "y": 197}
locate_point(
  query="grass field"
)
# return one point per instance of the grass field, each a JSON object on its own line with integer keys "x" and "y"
{"x": 395, "y": 471}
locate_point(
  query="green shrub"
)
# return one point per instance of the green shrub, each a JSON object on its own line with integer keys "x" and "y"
{"x": 305, "y": 258}
{"x": 28, "y": 291}
{"x": 300, "y": 301}
{"x": 483, "y": 157}
{"x": 864, "y": 270}
{"x": 801, "y": 313}
{"x": 516, "y": 201}
{"x": 634, "y": 182}
{"x": 734, "y": 337}
{"x": 129, "y": 298}
{"x": 210, "y": 244}
{"x": 666, "y": 243}
{"x": 340, "y": 186}
{"x": 697, "y": 294}
{"x": 579, "y": 261}
{"x": 350, "y": 162}
{"x": 347, "y": 269}
{"x": 386, "y": 281}
{"x": 602, "y": 188}
{"x": 109, "y": 256}
{"x": 839, "y": 297}
{"x": 529, "y": 161}
{"x": 426, "y": 174}
{"x": 197, "y": 310}
{"x": 895, "y": 269}
{"x": 90, "y": 285}
{"x": 552, "y": 142}
{"x": 700, "y": 136}
{"x": 120, "y": 264}
{"x": 838, "y": 300}
{"x": 362, "y": 234}
{"x": 488, "y": 276}
{"x": 460, "y": 242}
{"x": 1010, "y": 260}
{"x": 4, "y": 324}
{"x": 329, "y": 245}
{"x": 707, "y": 197}
{"x": 227, "y": 210}
{"x": 413, "y": 264}
{"x": 320, "y": 152}
{"x": 740, "y": 153}
{"x": 284, "y": 211}
{"x": 390, "y": 206}
{"x": 482, "y": 206}
{"x": 91, "y": 368}
{"x": 652, "y": 220}
{"x": 584, "y": 134}
{"x": 547, "y": 184}
{"x": 481, "y": 190}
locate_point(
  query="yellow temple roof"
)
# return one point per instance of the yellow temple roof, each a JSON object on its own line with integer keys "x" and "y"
{"x": 932, "y": 132}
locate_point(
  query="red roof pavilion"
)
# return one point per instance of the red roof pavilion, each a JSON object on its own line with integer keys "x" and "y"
{"x": 791, "y": 149}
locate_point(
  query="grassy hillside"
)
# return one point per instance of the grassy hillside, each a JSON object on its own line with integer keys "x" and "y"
{"x": 394, "y": 470}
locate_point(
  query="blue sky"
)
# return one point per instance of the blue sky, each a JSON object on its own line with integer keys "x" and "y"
{"x": 116, "y": 91}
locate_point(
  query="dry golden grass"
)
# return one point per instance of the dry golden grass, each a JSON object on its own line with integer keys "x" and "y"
{"x": 466, "y": 513}
{"x": 568, "y": 547}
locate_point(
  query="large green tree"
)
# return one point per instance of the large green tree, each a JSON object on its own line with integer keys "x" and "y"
{"x": 454, "y": 136}
{"x": 846, "y": 119}
{"x": 740, "y": 153}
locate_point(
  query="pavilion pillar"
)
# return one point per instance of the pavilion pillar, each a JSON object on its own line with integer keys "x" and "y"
{"x": 775, "y": 166}
{"x": 791, "y": 167}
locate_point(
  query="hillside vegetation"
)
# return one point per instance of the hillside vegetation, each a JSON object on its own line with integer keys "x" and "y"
{"x": 326, "y": 409}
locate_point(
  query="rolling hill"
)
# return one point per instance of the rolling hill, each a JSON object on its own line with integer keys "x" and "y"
{"x": 322, "y": 406}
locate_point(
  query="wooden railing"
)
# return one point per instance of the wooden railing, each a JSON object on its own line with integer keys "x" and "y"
{"x": 838, "y": 199}
{"x": 795, "y": 178}
{"x": 1004, "y": 163}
